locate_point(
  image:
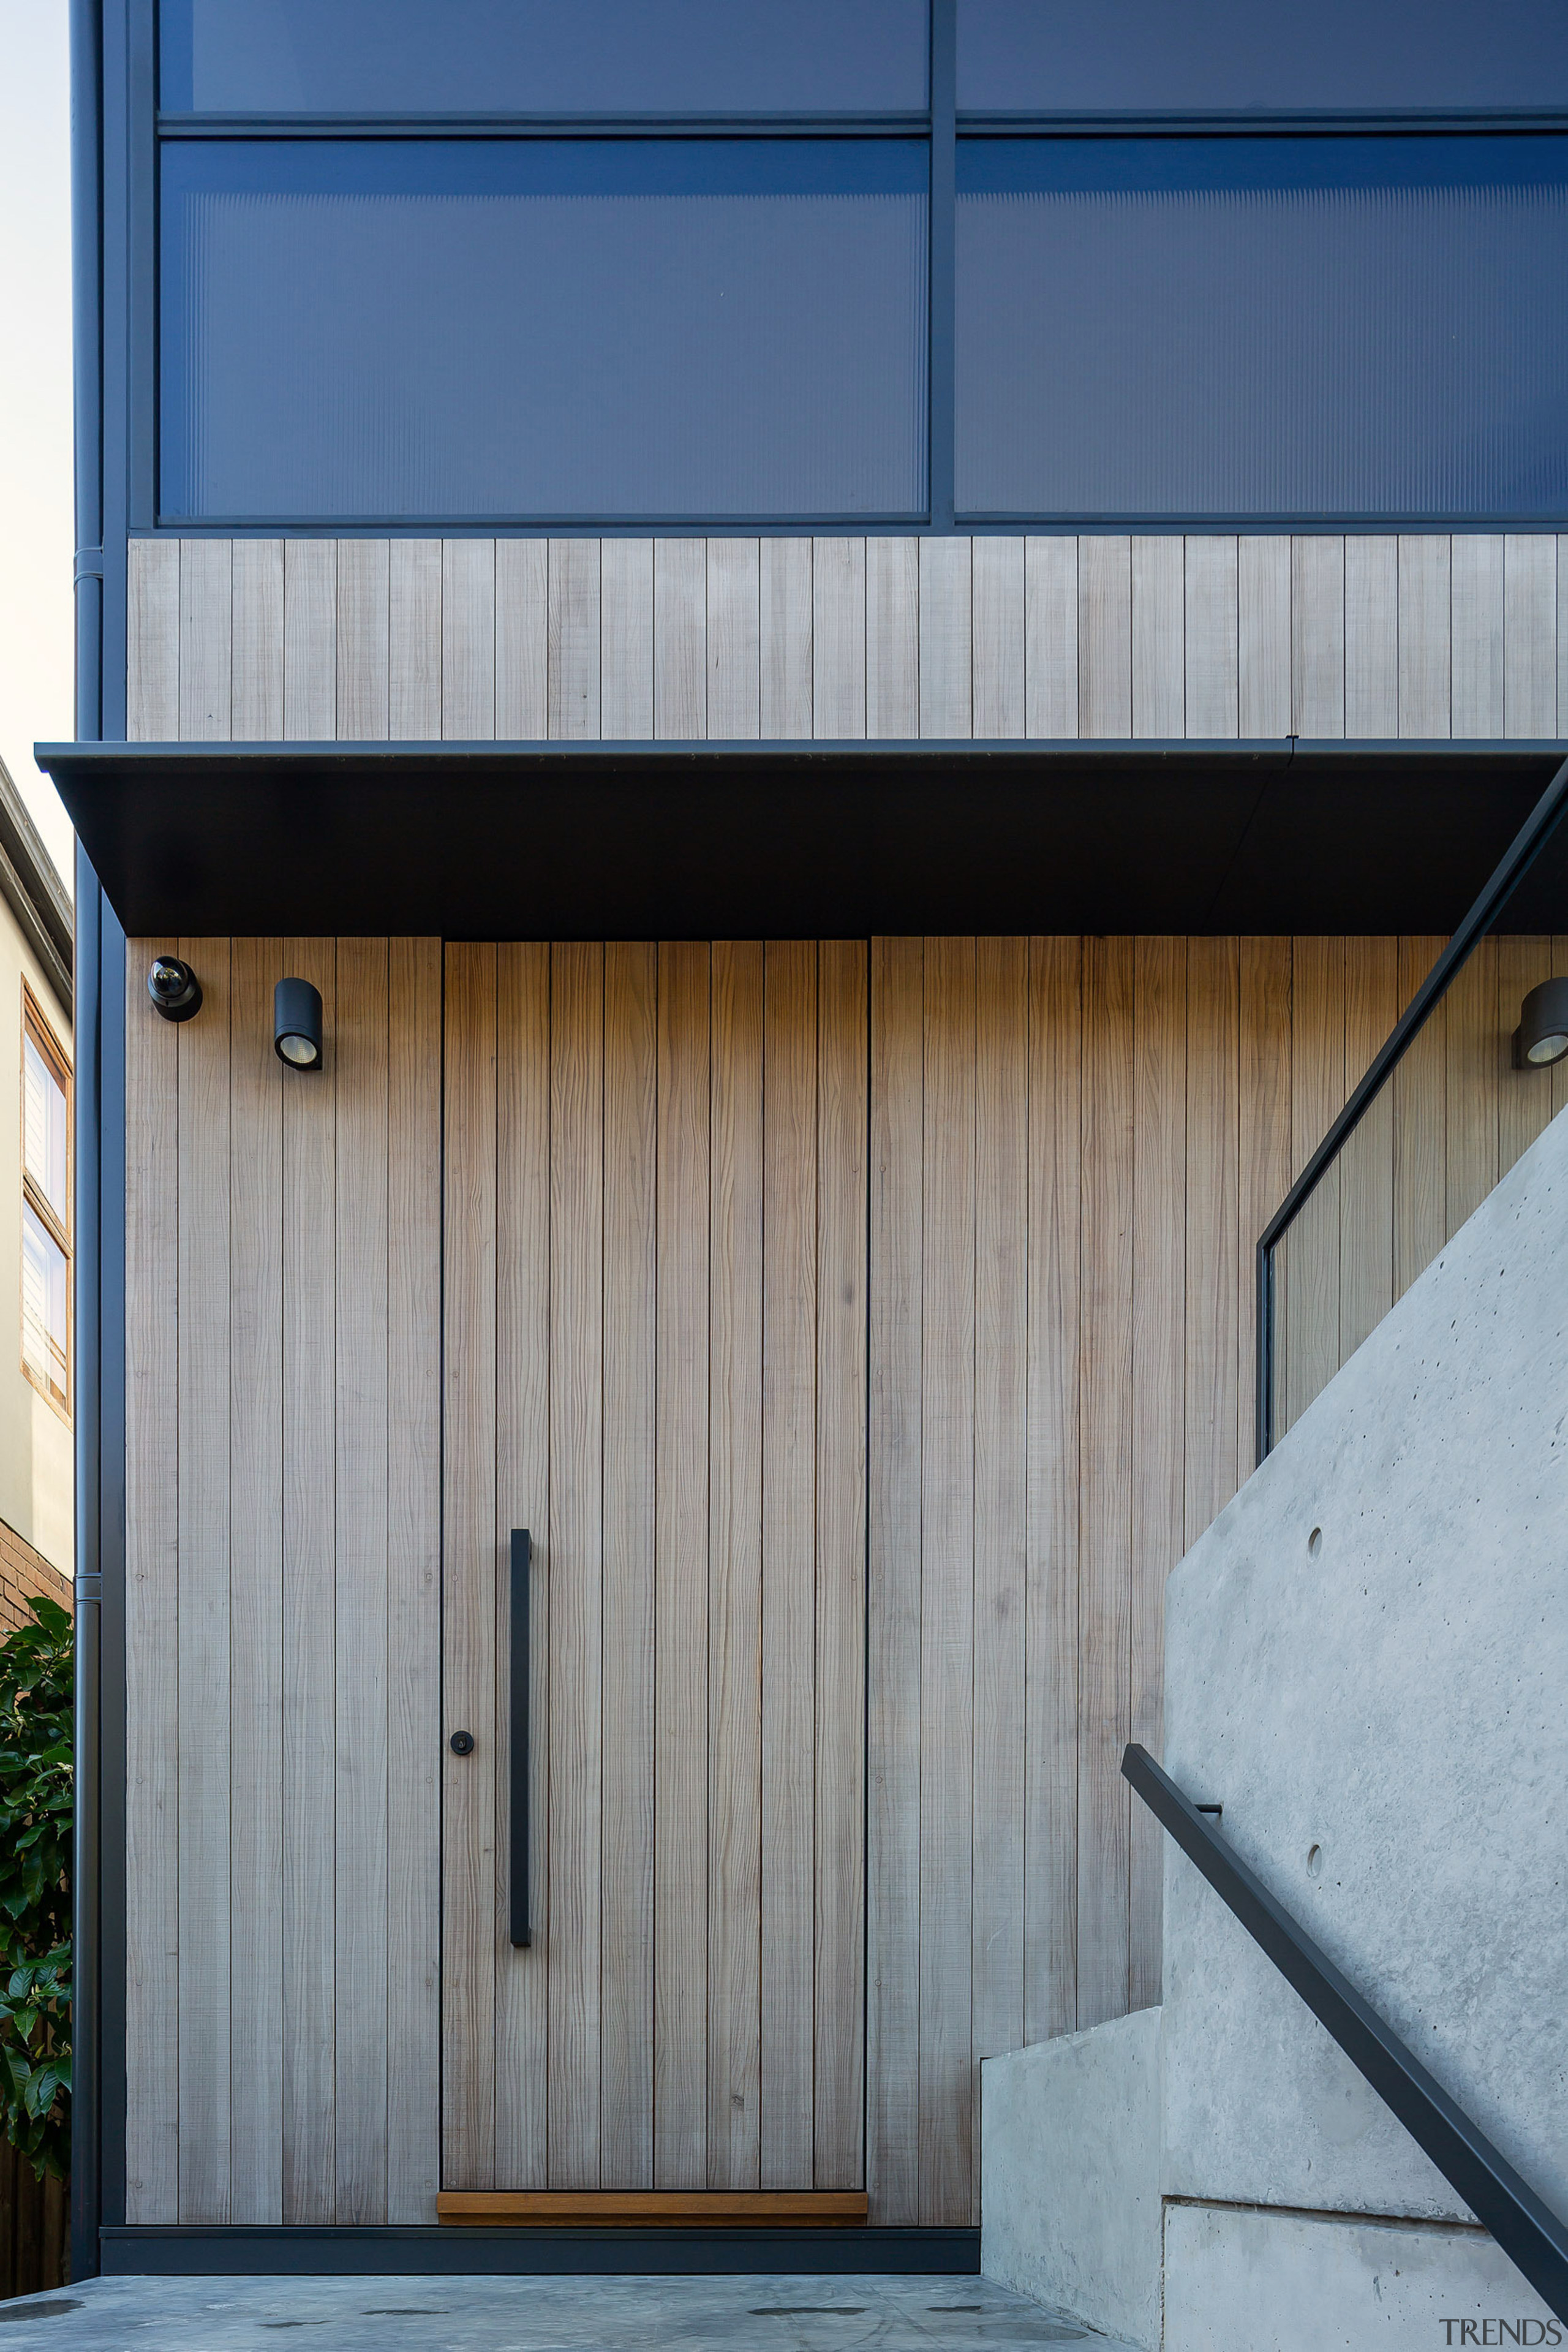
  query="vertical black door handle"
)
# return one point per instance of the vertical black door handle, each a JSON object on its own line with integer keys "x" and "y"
{"x": 520, "y": 1925}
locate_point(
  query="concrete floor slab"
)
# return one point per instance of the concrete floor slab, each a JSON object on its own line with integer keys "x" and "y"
{"x": 536, "y": 2315}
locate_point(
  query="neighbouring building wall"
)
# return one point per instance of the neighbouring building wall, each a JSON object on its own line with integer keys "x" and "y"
{"x": 24, "y": 1575}
{"x": 1321, "y": 636}
{"x": 36, "y": 1466}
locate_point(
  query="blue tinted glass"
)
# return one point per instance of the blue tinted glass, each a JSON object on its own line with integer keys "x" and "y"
{"x": 1213, "y": 326}
{"x": 1174, "y": 56}
{"x": 488, "y": 56}
{"x": 543, "y": 328}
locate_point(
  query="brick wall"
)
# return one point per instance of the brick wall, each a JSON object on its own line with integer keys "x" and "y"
{"x": 22, "y": 1573}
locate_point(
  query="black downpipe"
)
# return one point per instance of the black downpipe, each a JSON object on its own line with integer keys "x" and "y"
{"x": 87, "y": 249}
{"x": 86, "y": 2043}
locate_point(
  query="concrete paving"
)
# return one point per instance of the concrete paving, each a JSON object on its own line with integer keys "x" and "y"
{"x": 536, "y": 2315}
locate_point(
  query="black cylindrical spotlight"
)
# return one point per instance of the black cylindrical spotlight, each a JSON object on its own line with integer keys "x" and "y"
{"x": 297, "y": 1024}
{"x": 1542, "y": 1036}
{"x": 175, "y": 991}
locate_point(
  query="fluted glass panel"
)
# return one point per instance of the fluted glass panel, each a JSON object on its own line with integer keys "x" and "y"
{"x": 578, "y": 330}
{"x": 1247, "y": 327}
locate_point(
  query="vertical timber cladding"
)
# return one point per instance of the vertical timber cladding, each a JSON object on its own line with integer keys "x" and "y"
{"x": 1073, "y": 1143}
{"x": 1074, "y": 1146}
{"x": 282, "y": 1591}
{"x": 655, "y": 1360}
{"x": 1414, "y": 635}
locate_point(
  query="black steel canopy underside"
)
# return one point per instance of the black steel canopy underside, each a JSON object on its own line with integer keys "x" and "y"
{"x": 804, "y": 840}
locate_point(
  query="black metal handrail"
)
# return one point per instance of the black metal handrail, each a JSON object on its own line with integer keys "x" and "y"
{"x": 1518, "y": 858}
{"x": 1529, "y": 2232}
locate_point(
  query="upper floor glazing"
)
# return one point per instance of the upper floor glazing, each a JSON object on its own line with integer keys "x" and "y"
{"x": 905, "y": 263}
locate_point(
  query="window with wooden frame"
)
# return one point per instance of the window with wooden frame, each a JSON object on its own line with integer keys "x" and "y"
{"x": 47, "y": 1143}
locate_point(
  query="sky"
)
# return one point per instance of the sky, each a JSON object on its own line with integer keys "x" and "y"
{"x": 36, "y": 534}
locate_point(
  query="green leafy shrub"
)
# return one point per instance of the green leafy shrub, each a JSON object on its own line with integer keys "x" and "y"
{"x": 34, "y": 1888}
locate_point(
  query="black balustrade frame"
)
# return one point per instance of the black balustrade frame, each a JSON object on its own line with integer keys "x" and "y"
{"x": 1517, "y": 860}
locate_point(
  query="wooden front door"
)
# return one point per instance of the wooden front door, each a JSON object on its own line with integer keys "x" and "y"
{"x": 656, "y": 1362}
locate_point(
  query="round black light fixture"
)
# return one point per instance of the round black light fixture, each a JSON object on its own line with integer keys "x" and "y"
{"x": 1542, "y": 1036}
{"x": 297, "y": 1024}
{"x": 175, "y": 991}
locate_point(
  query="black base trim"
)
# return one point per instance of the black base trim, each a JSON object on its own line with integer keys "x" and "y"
{"x": 133, "y": 2252}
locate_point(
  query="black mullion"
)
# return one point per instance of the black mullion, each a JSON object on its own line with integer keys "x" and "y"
{"x": 141, "y": 231}
{"x": 943, "y": 201}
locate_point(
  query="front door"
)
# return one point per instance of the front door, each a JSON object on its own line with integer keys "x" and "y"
{"x": 655, "y": 1362}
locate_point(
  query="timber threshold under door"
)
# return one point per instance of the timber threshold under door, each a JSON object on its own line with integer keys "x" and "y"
{"x": 642, "y": 2209}
{"x": 656, "y": 1362}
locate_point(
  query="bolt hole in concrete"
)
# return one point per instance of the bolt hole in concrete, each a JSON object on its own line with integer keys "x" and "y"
{"x": 38, "y": 2310}
{"x": 1314, "y": 1862}
{"x": 1314, "y": 1543}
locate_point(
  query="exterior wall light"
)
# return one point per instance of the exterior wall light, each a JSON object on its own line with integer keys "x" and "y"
{"x": 1542, "y": 1036}
{"x": 297, "y": 1024}
{"x": 175, "y": 991}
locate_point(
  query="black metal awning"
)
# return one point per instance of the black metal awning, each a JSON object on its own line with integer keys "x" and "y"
{"x": 805, "y": 840}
